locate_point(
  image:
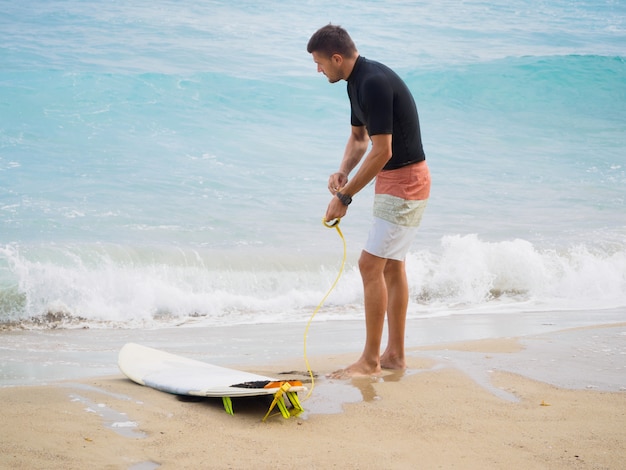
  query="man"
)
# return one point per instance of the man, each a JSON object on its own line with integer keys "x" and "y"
{"x": 382, "y": 111}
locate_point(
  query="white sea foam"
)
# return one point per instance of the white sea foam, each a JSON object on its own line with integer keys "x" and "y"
{"x": 77, "y": 287}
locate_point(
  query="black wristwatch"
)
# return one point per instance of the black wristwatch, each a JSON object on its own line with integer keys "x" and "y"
{"x": 344, "y": 198}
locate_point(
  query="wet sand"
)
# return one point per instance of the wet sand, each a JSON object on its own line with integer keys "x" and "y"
{"x": 547, "y": 400}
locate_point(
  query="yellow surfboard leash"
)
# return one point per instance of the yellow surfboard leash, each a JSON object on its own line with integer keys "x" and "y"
{"x": 284, "y": 390}
{"x": 332, "y": 224}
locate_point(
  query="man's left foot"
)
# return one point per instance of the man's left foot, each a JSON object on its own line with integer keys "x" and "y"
{"x": 387, "y": 361}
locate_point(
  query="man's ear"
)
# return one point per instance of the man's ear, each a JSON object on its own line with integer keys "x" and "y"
{"x": 337, "y": 59}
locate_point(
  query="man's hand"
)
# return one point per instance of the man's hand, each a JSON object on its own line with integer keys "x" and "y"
{"x": 336, "y": 181}
{"x": 336, "y": 210}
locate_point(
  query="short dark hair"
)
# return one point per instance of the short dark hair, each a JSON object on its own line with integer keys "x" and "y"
{"x": 331, "y": 39}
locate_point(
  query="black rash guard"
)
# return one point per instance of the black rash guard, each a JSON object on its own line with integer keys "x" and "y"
{"x": 382, "y": 102}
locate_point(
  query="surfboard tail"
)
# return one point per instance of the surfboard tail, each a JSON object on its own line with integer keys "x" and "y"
{"x": 279, "y": 400}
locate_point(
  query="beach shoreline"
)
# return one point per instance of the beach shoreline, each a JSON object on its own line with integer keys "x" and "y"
{"x": 47, "y": 356}
{"x": 500, "y": 402}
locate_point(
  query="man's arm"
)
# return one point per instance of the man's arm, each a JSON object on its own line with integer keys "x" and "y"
{"x": 375, "y": 160}
{"x": 352, "y": 155}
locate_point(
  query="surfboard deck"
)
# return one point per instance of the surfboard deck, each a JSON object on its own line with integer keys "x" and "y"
{"x": 179, "y": 375}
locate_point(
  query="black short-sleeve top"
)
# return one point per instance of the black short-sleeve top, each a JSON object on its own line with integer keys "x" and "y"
{"x": 381, "y": 101}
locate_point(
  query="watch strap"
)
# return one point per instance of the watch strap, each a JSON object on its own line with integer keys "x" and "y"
{"x": 344, "y": 198}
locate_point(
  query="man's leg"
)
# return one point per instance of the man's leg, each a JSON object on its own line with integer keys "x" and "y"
{"x": 397, "y": 303}
{"x": 375, "y": 298}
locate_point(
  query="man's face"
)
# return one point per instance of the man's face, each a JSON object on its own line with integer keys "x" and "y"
{"x": 329, "y": 66}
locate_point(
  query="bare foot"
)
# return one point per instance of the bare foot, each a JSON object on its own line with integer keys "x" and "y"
{"x": 361, "y": 368}
{"x": 392, "y": 362}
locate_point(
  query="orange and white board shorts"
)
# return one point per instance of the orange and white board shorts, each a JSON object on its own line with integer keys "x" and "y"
{"x": 400, "y": 199}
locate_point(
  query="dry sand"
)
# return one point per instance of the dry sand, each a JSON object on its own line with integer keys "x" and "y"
{"x": 433, "y": 416}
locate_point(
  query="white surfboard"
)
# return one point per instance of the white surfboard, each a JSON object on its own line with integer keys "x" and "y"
{"x": 183, "y": 376}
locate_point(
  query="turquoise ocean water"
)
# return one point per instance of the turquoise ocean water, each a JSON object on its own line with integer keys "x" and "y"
{"x": 165, "y": 162}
